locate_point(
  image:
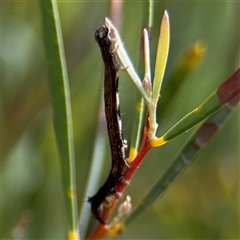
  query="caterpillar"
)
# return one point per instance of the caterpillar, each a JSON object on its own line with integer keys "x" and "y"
{"x": 113, "y": 119}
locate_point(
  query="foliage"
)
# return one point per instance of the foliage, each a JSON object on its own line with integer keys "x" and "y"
{"x": 202, "y": 204}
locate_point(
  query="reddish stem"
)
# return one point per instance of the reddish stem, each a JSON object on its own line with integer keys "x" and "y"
{"x": 101, "y": 230}
{"x": 144, "y": 148}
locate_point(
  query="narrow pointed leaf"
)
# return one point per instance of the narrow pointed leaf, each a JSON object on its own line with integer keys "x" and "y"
{"x": 162, "y": 55}
{"x": 225, "y": 93}
{"x": 186, "y": 156}
{"x": 60, "y": 96}
{"x": 139, "y": 107}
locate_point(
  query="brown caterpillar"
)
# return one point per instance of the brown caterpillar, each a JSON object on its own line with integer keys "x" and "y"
{"x": 114, "y": 124}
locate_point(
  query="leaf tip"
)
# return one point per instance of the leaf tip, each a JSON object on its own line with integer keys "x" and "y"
{"x": 165, "y": 14}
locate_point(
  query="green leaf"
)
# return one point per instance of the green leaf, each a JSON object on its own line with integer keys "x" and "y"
{"x": 162, "y": 55}
{"x": 185, "y": 157}
{"x": 62, "y": 116}
{"x": 139, "y": 107}
{"x": 225, "y": 93}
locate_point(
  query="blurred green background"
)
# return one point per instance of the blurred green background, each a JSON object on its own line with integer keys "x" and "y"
{"x": 202, "y": 204}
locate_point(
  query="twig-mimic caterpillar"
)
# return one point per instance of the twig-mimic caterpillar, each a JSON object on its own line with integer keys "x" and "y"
{"x": 114, "y": 124}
